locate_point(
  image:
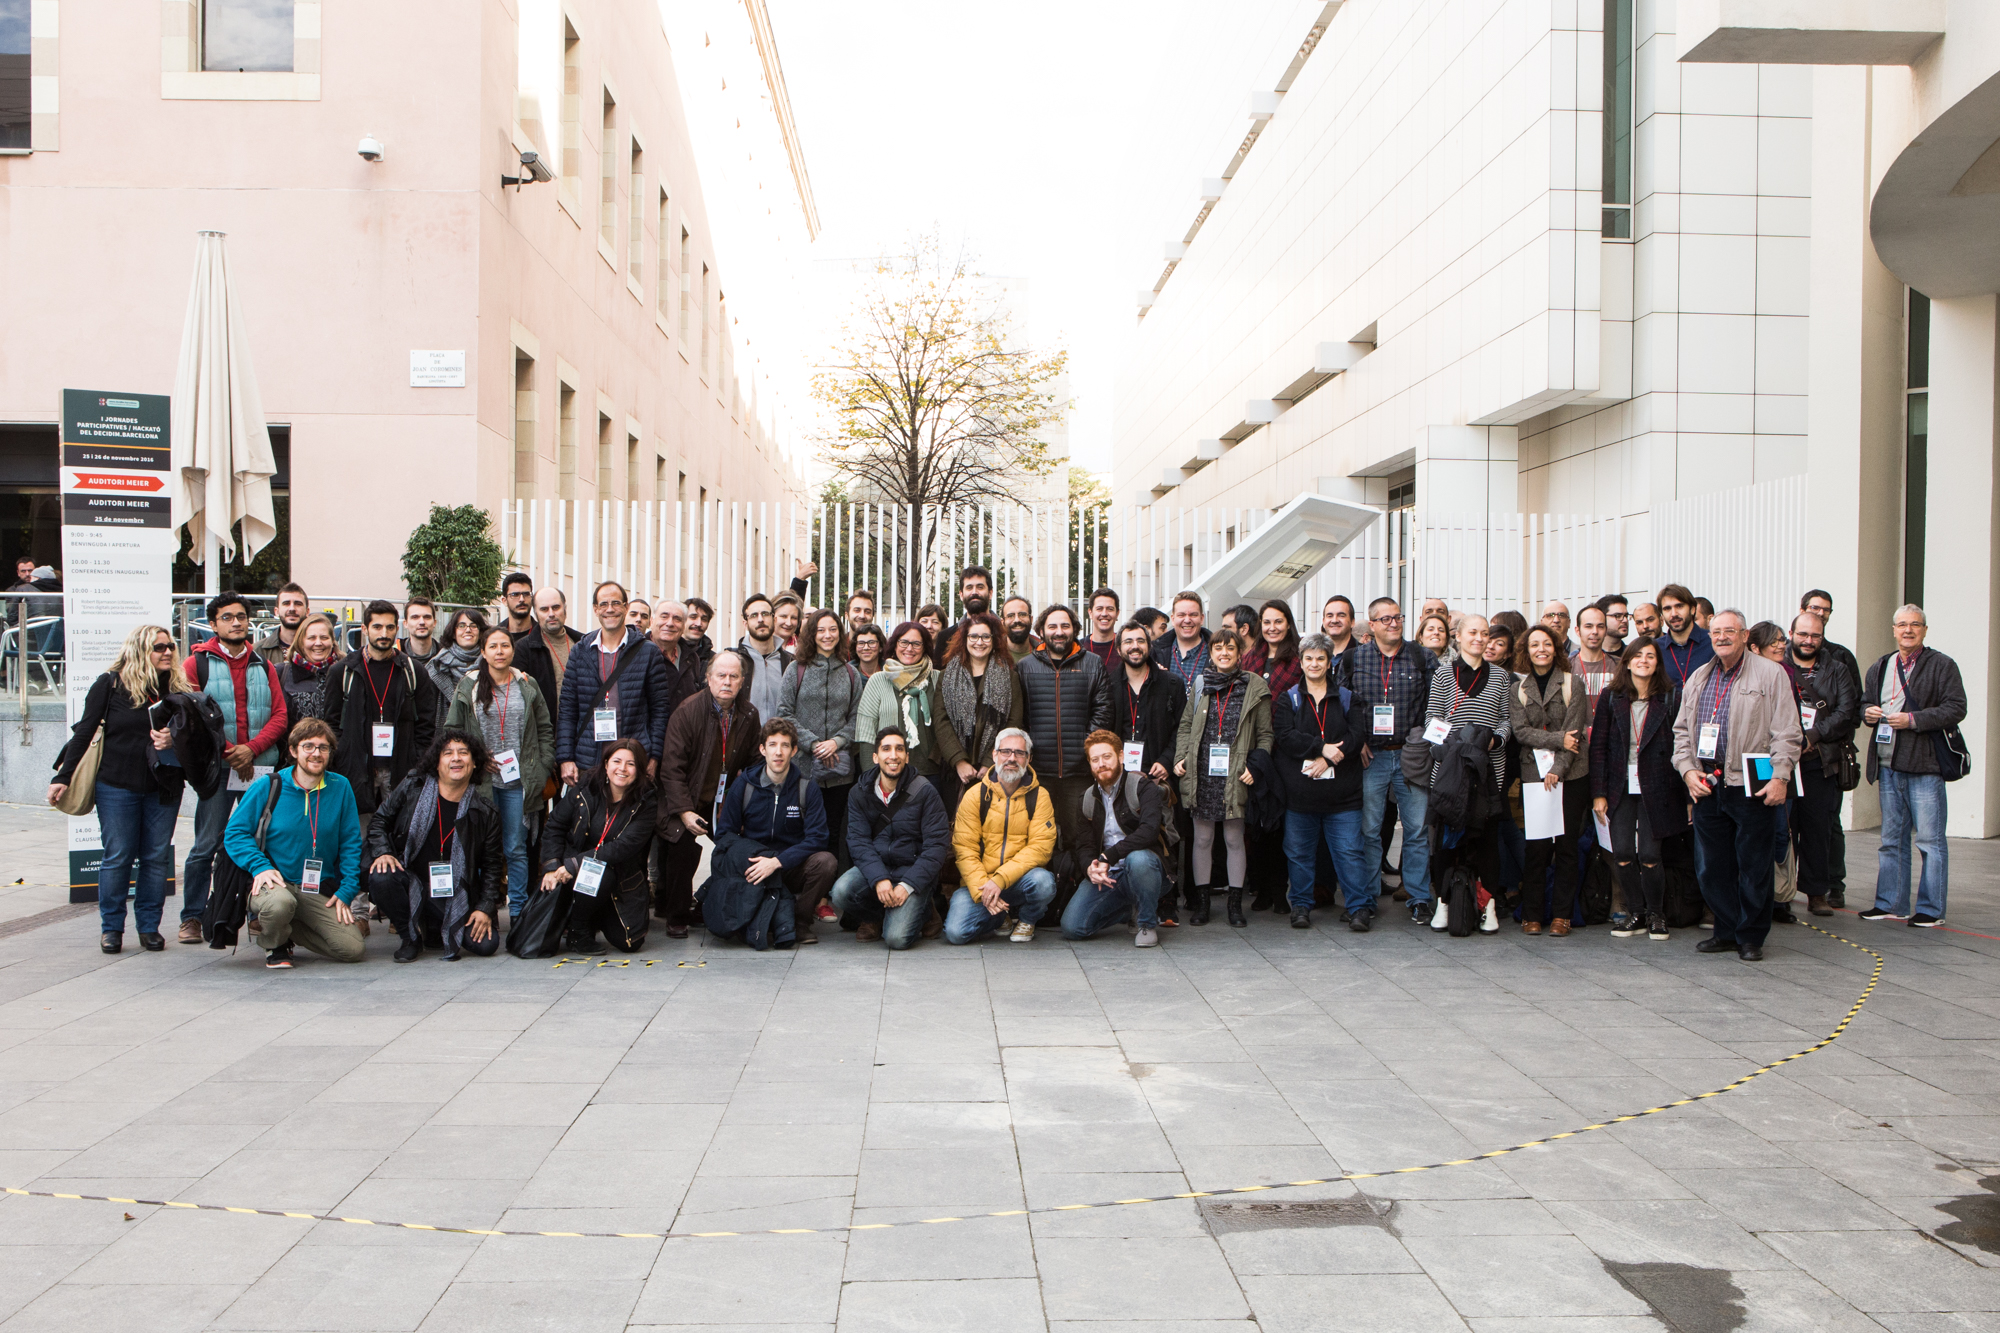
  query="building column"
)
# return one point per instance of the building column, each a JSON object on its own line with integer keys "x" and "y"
{"x": 1961, "y": 571}
{"x": 1465, "y": 476}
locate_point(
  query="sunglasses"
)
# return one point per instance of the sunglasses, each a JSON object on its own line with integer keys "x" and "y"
{"x": 163, "y": 647}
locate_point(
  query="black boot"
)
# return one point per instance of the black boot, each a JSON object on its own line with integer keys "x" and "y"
{"x": 1635, "y": 911}
{"x": 1198, "y": 905}
{"x": 1261, "y": 900}
{"x": 1236, "y": 917}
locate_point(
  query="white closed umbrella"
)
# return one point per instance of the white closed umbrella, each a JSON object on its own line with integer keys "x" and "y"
{"x": 222, "y": 459}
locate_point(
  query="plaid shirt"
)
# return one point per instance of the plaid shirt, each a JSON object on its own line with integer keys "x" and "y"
{"x": 1714, "y": 707}
{"x": 1364, "y": 667}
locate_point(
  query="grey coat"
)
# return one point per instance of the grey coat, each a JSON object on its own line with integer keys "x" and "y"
{"x": 1539, "y": 718}
{"x": 821, "y": 700}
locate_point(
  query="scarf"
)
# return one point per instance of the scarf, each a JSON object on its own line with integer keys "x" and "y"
{"x": 912, "y": 699}
{"x": 448, "y": 666}
{"x": 1216, "y": 682}
{"x": 423, "y": 820}
{"x": 976, "y": 706}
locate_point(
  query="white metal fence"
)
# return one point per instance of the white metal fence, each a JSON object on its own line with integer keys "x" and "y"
{"x": 1743, "y": 547}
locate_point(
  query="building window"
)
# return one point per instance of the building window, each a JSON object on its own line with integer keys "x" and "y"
{"x": 572, "y": 117}
{"x": 246, "y": 36}
{"x": 1916, "y": 446}
{"x": 607, "y": 213}
{"x": 664, "y": 299}
{"x": 566, "y": 442}
{"x": 1618, "y": 119}
{"x": 686, "y": 295}
{"x": 16, "y": 106}
{"x": 605, "y": 439}
{"x": 524, "y": 426}
{"x": 704, "y": 320}
{"x": 659, "y": 479}
{"x": 632, "y": 476}
{"x": 635, "y": 245}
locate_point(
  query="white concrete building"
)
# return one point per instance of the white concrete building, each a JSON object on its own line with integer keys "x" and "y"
{"x": 1616, "y": 258}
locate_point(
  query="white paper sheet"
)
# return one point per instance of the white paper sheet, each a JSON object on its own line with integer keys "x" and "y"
{"x": 1603, "y": 830}
{"x": 1542, "y": 809}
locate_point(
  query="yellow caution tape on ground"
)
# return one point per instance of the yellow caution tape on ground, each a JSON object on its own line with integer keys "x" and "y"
{"x": 1867, "y": 991}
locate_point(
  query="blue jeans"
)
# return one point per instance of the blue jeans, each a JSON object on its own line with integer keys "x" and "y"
{"x": 901, "y": 926}
{"x": 1383, "y": 775}
{"x": 1135, "y": 888}
{"x": 1911, "y": 802}
{"x": 135, "y": 827}
{"x": 514, "y": 845}
{"x": 966, "y": 921}
{"x": 211, "y": 819}
{"x": 1341, "y": 831}
{"x": 1733, "y": 831}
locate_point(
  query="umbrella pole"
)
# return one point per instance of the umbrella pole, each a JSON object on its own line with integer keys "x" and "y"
{"x": 212, "y": 566}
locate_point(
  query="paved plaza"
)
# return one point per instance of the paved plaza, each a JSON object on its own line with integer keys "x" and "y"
{"x": 842, "y": 1087}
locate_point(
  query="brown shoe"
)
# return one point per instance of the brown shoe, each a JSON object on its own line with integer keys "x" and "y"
{"x": 1559, "y": 926}
{"x": 1817, "y": 906}
{"x": 867, "y": 933}
{"x": 935, "y": 926}
{"x": 1531, "y": 927}
{"x": 190, "y": 932}
{"x": 805, "y": 935}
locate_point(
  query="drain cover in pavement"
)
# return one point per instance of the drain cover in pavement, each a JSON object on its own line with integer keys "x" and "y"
{"x": 1224, "y": 1217}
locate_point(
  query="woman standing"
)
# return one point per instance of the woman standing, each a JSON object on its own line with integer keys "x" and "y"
{"x": 303, "y": 675}
{"x": 596, "y": 840}
{"x": 139, "y": 782}
{"x": 981, "y": 694}
{"x": 1548, "y": 713}
{"x": 1276, "y": 658}
{"x": 1510, "y": 842}
{"x": 1228, "y": 717}
{"x": 450, "y": 664}
{"x": 506, "y": 707}
{"x": 870, "y": 645}
{"x": 822, "y": 697}
{"x": 1469, "y": 695}
{"x": 1318, "y": 748}
{"x": 1633, "y": 782}
{"x": 904, "y": 695}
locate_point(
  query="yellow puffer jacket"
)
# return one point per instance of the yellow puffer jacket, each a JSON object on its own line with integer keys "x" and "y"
{"x": 1012, "y": 843}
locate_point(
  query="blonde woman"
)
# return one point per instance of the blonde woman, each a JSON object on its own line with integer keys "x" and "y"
{"x": 139, "y": 782}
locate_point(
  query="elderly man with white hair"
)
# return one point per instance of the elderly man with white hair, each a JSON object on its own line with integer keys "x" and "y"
{"x": 1003, "y": 838}
{"x": 710, "y": 739}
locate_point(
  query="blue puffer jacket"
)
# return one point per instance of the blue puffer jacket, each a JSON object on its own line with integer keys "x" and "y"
{"x": 788, "y": 822}
{"x": 642, "y": 698}
{"x": 907, "y": 838}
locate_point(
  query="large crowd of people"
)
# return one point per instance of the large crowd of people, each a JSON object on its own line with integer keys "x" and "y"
{"x": 511, "y": 781}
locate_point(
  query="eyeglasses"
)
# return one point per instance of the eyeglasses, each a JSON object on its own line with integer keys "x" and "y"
{"x": 1385, "y": 620}
{"x": 1010, "y": 754}
{"x": 230, "y": 617}
{"x": 166, "y": 647}
{"x": 609, "y": 606}
{"x": 315, "y": 747}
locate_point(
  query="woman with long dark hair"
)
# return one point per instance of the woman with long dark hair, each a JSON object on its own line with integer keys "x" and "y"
{"x": 1228, "y": 716}
{"x": 822, "y": 696}
{"x": 139, "y": 782}
{"x": 506, "y": 708}
{"x": 1548, "y": 714}
{"x": 904, "y": 695}
{"x": 870, "y": 646}
{"x": 1276, "y": 654}
{"x": 596, "y": 842}
{"x": 1633, "y": 782}
{"x": 456, "y": 657}
{"x": 980, "y": 691}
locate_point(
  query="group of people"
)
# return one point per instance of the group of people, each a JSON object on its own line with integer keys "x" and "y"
{"x": 987, "y": 775}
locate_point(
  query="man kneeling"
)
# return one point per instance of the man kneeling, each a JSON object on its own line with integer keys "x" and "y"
{"x": 305, "y": 864}
{"x": 1004, "y": 837}
{"x": 1122, "y": 814}
{"x": 445, "y": 887}
{"x": 899, "y": 838}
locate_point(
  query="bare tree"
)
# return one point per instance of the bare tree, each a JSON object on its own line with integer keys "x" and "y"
{"x": 931, "y": 399}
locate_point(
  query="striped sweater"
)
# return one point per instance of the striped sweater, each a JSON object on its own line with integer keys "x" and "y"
{"x": 1488, "y": 708}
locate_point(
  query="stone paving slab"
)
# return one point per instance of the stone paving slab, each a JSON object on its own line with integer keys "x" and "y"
{"x": 845, "y": 1087}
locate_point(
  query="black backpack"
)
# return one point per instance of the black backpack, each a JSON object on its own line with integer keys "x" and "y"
{"x": 1594, "y": 905}
{"x": 229, "y": 891}
{"x": 1461, "y": 902}
{"x": 1683, "y": 906}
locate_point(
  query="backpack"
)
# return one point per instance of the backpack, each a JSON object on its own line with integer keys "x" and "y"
{"x": 229, "y": 892}
{"x": 1594, "y": 897}
{"x": 1682, "y": 906}
{"x": 1170, "y": 836}
{"x": 1461, "y": 902}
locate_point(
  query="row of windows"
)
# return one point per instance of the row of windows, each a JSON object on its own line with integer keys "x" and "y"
{"x": 631, "y": 458}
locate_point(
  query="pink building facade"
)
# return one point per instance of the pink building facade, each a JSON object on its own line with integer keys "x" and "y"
{"x": 589, "y": 309}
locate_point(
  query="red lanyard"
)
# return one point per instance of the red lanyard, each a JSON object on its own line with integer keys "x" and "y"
{"x": 1388, "y": 670}
{"x": 725, "y": 739}
{"x": 444, "y": 836}
{"x": 1222, "y": 707}
{"x": 1319, "y": 710}
{"x": 1132, "y": 698}
{"x": 1682, "y": 668}
{"x": 501, "y": 704}
{"x": 610, "y": 817}
{"x": 381, "y": 698}
{"x": 1728, "y": 679}
{"x": 1904, "y": 676}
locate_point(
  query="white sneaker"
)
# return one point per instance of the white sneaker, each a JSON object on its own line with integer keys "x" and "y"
{"x": 1441, "y": 919}
{"x": 1023, "y": 932}
{"x": 1489, "y": 920}
{"x": 1145, "y": 939}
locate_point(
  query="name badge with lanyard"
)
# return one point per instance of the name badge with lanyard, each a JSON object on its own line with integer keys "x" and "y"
{"x": 1708, "y": 742}
{"x": 590, "y": 870}
{"x": 1218, "y": 754}
{"x": 314, "y": 868}
{"x": 381, "y": 735}
{"x": 441, "y": 885}
{"x": 605, "y": 719}
{"x": 722, "y": 778}
{"x": 1385, "y": 714}
{"x": 1885, "y": 735}
{"x": 509, "y": 760}
{"x": 1134, "y": 750}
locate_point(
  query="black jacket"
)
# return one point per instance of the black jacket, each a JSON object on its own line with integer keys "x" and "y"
{"x": 1836, "y": 694}
{"x": 531, "y": 654}
{"x": 1663, "y": 790}
{"x": 686, "y": 675}
{"x": 347, "y": 703}
{"x": 1157, "y": 709}
{"x": 577, "y": 824}
{"x": 908, "y": 838}
{"x": 128, "y": 759}
{"x": 477, "y": 830}
{"x": 1067, "y": 701}
{"x": 305, "y": 687}
{"x": 1140, "y": 828}
{"x": 1296, "y": 739}
{"x": 1937, "y": 703}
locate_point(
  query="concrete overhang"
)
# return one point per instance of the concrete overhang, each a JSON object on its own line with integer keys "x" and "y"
{"x": 1937, "y": 210}
{"x": 1296, "y": 544}
{"x": 1808, "y": 32}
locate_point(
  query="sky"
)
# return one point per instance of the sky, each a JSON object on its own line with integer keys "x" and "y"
{"x": 1057, "y": 141}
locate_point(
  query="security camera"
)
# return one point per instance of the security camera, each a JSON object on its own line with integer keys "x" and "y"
{"x": 370, "y": 148}
{"x": 533, "y": 171}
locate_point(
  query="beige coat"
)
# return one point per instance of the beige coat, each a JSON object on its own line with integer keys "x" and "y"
{"x": 1763, "y": 719}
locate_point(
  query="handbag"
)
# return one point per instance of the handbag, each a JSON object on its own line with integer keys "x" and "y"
{"x": 81, "y": 797}
{"x": 1417, "y": 757}
{"x": 538, "y": 931}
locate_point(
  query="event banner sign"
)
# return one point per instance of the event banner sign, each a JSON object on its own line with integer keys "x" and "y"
{"x": 118, "y": 548}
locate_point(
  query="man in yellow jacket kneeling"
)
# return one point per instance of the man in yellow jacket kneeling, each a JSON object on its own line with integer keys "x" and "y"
{"x": 1003, "y": 838}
